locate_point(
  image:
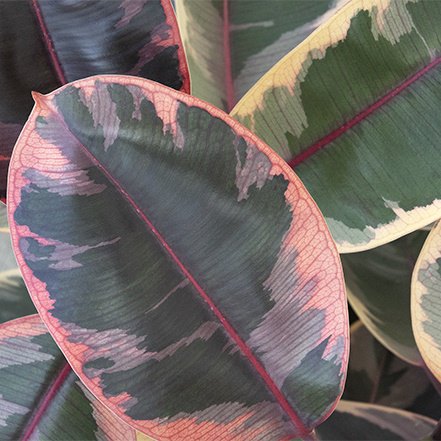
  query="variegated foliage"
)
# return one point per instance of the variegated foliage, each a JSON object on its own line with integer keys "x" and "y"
{"x": 377, "y": 376}
{"x": 41, "y": 398}
{"x": 354, "y": 109}
{"x": 230, "y": 44}
{"x": 426, "y": 302}
{"x": 354, "y": 421}
{"x": 44, "y": 44}
{"x": 378, "y": 286}
{"x": 14, "y": 298}
{"x": 143, "y": 220}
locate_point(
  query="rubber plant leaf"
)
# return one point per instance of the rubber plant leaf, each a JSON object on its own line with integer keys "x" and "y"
{"x": 377, "y": 376}
{"x": 354, "y": 421}
{"x": 41, "y": 397}
{"x": 45, "y": 44}
{"x": 14, "y": 298}
{"x": 354, "y": 110}
{"x": 426, "y": 301}
{"x": 378, "y": 286}
{"x": 230, "y": 44}
{"x": 143, "y": 221}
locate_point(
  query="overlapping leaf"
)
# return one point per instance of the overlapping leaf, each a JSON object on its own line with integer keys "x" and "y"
{"x": 378, "y": 286}
{"x": 230, "y": 44}
{"x": 426, "y": 301}
{"x": 41, "y": 397}
{"x": 144, "y": 223}
{"x": 44, "y": 44}
{"x": 361, "y": 421}
{"x": 376, "y": 376}
{"x": 14, "y": 298}
{"x": 354, "y": 109}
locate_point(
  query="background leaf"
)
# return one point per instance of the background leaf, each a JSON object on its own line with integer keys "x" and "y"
{"x": 354, "y": 110}
{"x": 377, "y": 376}
{"x": 230, "y": 44}
{"x": 361, "y": 421}
{"x": 44, "y": 44}
{"x": 41, "y": 397}
{"x": 426, "y": 302}
{"x": 378, "y": 286}
{"x": 161, "y": 272}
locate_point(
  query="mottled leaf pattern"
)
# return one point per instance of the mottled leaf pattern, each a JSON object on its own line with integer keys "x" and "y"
{"x": 378, "y": 286}
{"x": 426, "y": 301}
{"x": 354, "y": 421}
{"x": 44, "y": 44}
{"x": 40, "y": 396}
{"x": 161, "y": 272}
{"x": 376, "y": 376}
{"x": 14, "y": 298}
{"x": 354, "y": 109}
{"x": 230, "y": 44}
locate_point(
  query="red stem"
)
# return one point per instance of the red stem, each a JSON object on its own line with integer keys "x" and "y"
{"x": 323, "y": 142}
{"x": 48, "y": 43}
{"x": 46, "y": 401}
{"x": 227, "y": 57}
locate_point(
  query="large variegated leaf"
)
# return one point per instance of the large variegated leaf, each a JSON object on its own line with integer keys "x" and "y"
{"x": 354, "y": 421}
{"x": 378, "y": 285}
{"x": 144, "y": 223}
{"x": 41, "y": 397}
{"x": 426, "y": 302}
{"x": 377, "y": 376}
{"x": 354, "y": 109}
{"x": 230, "y": 44}
{"x": 44, "y": 44}
{"x": 14, "y": 298}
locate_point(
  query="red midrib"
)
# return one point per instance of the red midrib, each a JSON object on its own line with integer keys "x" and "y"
{"x": 45, "y": 402}
{"x": 228, "y": 73}
{"x": 302, "y": 430}
{"x": 332, "y": 136}
{"x": 48, "y": 43}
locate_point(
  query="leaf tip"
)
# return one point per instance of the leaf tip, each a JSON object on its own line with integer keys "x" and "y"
{"x": 38, "y": 97}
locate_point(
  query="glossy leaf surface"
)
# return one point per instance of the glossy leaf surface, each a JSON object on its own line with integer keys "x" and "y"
{"x": 378, "y": 286}
{"x": 44, "y": 44}
{"x": 377, "y": 376}
{"x": 230, "y": 44}
{"x": 361, "y": 421}
{"x": 41, "y": 397}
{"x": 160, "y": 270}
{"x": 14, "y": 298}
{"x": 354, "y": 109}
{"x": 426, "y": 301}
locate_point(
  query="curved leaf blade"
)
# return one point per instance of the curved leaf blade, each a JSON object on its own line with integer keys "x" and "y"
{"x": 425, "y": 301}
{"x": 231, "y": 44}
{"x": 378, "y": 286}
{"x": 41, "y": 397}
{"x": 163, "y": 208}
{"x": 376, "y": 376}
{"x": 361, "y": 421}
{"x": 353, "y": 110}
{"x": 66, "y": 40}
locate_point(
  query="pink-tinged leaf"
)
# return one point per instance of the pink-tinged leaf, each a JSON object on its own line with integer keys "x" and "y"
{"x": 41, "y": 397}
{"x": 143, "y": 222}
{"x": 45, "y": 44}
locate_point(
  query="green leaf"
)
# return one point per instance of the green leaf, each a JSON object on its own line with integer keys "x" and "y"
{"x": 40, "y": 395}
{"x": 378, "y": 286}
{"x": 14, "y": 298}
{"x": 354, "y": 109}
{"x": 376, "y": 376}
{"x": 143, "y": 221}
{"x": 425, "y": 301}
{"x": 361, "y": 421}
{"x": 230, "y": 44}
{"x": 45, "y": 44}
